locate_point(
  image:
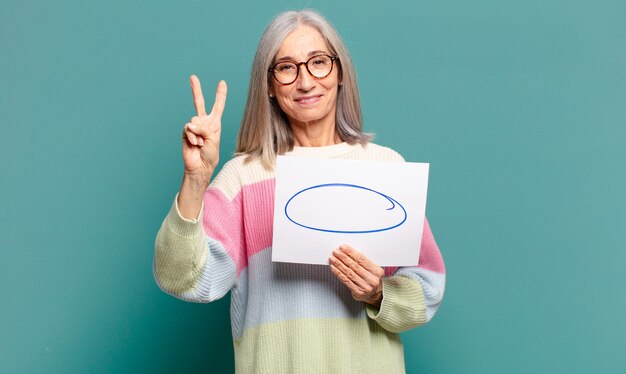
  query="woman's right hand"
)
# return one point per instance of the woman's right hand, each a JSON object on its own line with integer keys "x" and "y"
{"x": 201, "y": 135}
{"x": 201, "y": 149}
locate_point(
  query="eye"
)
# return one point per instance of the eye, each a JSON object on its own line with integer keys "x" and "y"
{"x": 319, "y": 61}
{"x": 285, "y": 68}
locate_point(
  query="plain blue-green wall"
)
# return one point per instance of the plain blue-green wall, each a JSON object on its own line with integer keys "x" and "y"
{"x": 520, "y": 107}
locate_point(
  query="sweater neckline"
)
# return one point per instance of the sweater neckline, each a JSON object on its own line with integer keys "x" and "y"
{"x": 327, "y": 151}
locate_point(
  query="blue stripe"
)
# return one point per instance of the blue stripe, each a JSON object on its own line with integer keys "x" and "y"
{"x": 278, "y": 291}
{"x": 433, "y": 286}
{"x": 238, "y": 304}
{"x": 218, "y": 275}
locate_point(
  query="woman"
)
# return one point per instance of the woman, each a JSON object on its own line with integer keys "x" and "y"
{"x": 289, "y": 318}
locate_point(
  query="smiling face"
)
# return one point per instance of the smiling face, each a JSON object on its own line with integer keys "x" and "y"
{"x": 308, "y": 100}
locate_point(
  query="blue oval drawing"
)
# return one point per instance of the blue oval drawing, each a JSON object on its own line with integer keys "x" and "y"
{"x": 357, "y": 188}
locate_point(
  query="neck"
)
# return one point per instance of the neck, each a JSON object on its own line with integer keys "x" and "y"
{"x": 315, "y": 134}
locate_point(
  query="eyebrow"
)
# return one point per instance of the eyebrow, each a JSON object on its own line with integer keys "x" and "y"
{"x": 312, "y": 53}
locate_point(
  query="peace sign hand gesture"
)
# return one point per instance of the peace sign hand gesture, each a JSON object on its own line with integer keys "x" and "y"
{"x": 201, "y": 135}
{"x": 201, "y": 149}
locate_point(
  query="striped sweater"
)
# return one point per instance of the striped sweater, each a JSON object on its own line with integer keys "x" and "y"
{"x": 285, "y": 317}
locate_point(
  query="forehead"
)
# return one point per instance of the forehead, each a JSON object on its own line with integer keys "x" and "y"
{"x": 300, "y": 42}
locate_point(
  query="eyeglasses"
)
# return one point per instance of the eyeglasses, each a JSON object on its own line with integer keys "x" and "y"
{"x": 319, "y": 66}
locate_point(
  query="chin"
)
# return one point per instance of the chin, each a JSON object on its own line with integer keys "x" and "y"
{"x": 309, "y": 119}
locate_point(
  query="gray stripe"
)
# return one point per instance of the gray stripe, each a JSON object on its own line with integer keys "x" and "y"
{"x": 433, "y": 286}
{"x": 284, "y": 291}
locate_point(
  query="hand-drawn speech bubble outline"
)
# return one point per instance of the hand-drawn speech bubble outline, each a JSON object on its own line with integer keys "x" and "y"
{"x": 391, "y": 200}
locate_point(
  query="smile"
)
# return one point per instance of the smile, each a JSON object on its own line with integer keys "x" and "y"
{"x": 308, "y": 100}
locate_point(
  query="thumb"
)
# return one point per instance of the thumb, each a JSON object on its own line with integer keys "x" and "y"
{"x": 203, "y": 131}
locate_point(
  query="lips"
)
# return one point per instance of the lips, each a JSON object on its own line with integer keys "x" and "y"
{"x": 305, "y": 100}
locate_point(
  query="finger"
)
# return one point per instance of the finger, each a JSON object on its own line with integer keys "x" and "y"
{"x": 355, "y": 267}
{"x": 196, "y": 120}
{"x": 186, "y": 138}
{"x": 191, "y": 138}
{"x": 351, "y": 274}
{"x": 345, "y": 280}
{"x": 362, "y": 260}
{"x": 198, "y": 99}
{"x": 220, "y": 99}
{"x": 198, "y": 130}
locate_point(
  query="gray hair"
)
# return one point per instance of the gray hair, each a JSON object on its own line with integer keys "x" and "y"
{"x": 265, "y": 131}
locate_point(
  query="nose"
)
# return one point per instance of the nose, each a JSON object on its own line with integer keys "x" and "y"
{"x": 304, "y": 82}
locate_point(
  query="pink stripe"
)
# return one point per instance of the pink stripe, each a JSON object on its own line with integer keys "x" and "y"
{"x": 258, "y": 207}
{"x": 222, "y": 222}
{"x": 430, "y": 257}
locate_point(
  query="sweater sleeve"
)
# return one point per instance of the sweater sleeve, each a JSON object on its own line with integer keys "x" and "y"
{"x": 197, "y": 260}
{"x": 412, "y": 294}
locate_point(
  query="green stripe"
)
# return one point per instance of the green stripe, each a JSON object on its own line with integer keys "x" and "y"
{"x": 403, "y": 306}
{"x": 176, "y": 267}
{"x": 319, "y": 346}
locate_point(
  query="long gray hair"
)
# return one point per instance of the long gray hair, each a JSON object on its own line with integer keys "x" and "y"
{"x": 265, "y": 131}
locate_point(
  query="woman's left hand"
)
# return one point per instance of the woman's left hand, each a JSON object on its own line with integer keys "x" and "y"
{"x": 359, "y": 274}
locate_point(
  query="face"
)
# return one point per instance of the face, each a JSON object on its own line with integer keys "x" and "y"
{"x": 308, "y": 100}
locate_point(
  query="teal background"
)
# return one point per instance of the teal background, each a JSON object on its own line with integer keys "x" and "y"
{"x": 520, "y": 107}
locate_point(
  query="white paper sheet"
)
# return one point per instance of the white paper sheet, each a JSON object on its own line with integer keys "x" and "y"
{"x": 376, "y": 207}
